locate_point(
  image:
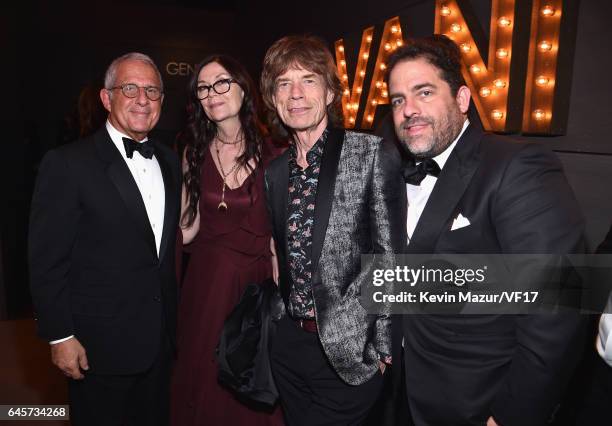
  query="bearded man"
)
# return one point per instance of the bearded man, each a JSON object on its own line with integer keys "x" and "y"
{"x": 472, "y": 192}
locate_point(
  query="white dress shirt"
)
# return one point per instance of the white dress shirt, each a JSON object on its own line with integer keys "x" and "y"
{"x": 148, "y": 177}
{"x": 604, "y": 338}
{"x": 419, "y": 194}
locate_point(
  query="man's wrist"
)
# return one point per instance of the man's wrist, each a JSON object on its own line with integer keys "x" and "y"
{"x": 384, "y": 358}
{"x": 55, "y": 342}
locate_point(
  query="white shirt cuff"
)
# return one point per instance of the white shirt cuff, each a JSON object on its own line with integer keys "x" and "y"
{"x": 54, "y": 342}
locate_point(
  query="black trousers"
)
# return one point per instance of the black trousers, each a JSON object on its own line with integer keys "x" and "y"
{"x": 141, "y": 399}
{"x": 311, "y": 392}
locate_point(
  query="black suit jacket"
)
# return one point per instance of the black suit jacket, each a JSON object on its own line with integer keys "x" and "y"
{"x": 461, "y": 369}
{"x": 606, "y": 244}
{"x": 94, "y": 268}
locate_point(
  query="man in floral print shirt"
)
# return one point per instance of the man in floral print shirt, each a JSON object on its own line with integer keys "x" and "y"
{"x": 333, "y": 196}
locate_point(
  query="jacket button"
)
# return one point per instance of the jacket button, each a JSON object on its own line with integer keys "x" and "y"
{"x": 157, "y": 299}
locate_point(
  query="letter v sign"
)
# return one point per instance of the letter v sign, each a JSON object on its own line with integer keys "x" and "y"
{"x": 351, "y": 97}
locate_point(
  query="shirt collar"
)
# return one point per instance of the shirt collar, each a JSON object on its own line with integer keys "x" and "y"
{"x": 443, "y": 156}
{"x": 117, "y": 138}
{"x": 314, "y": 153}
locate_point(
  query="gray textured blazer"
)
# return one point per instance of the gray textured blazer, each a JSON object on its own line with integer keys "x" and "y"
{"x": 360, "y": 209}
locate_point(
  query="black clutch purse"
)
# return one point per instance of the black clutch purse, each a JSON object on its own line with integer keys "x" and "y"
{"x": 243, "y": 352}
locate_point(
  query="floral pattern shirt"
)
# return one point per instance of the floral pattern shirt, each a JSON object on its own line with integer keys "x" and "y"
{"x": 300, "y": 224}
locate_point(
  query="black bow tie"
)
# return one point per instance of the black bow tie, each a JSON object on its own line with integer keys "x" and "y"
{"x": 146, "y": 149}
{"x": 414, "y": 174}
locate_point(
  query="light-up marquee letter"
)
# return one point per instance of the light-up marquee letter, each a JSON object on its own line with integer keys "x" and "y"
{"x": 351, "y": 98}
{"x": 522, "y": 87}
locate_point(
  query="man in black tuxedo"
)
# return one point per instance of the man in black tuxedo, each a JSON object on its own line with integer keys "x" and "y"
{"x": 471, "y": 192}
{"x": 102, "y": 234}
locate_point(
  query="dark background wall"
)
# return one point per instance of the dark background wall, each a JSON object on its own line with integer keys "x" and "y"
{"x": 51, "y": 49}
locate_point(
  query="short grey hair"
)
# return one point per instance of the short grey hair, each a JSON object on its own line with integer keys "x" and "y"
{"x": 111, "y": 71}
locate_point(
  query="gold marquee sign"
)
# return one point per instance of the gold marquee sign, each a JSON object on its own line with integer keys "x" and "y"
{"x": 522, "y": 87}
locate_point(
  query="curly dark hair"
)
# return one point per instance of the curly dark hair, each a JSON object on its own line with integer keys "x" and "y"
{"x": 201, "y": 131}
{"x": 440, "y": 51}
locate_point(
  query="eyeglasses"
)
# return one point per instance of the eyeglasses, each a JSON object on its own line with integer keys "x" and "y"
{"x": 131, "y": 90}
{"x": 220, "y": 87}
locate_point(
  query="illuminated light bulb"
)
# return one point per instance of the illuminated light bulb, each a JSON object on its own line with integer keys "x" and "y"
{"x": 374, "y": 102}
{"x": 539, "y": 114}
{"x": 346, "y": 92}
{"x": 370, "y": 118}
{"x": 345, "y": 77}
{"x": 502, "y": 53}
{"x": 475, "y": 69}
{"x": 455, "y": 28}
{"x": 465, "y": 47}
{"x": 445, "y": 11}
{"x": 500, "y": 84}
{"x": 497, "y": 114}
{"x": 545, "y": 46}
{"x": 399, "y": 43}
{"x": 504, "y": 22}
{"x": 394, "y": 29}
{"x": 379, "y": 84}
{"x": 369, "y": 38}
{"x": 359, "y": 90}
{"x": 547, "y": 11}
{"x": 542, "y": 80}
{"x": 485, "y": 91}
{"x": 383, "y": 67}
{"x": 362, "y": 73}
{"x": 365, "y": 55}
{"x": 352, "y": 119}
{"x": 341, "y": 48}
{"x": 387, "y": 46}
{"x": 384, "y": 94}
{"x": 343, "y": 63}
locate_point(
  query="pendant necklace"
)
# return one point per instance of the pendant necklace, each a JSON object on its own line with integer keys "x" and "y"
{"x": 223, "y": 205}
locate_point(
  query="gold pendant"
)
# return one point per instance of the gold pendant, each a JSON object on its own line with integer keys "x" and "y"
{"x": 222, "y": 207}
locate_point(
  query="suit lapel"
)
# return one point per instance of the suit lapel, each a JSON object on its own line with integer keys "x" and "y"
{"x": 325, "y": 191}
{"x": 170, "y": 189}
{"x": 448, "y": 190}
{"x": 119, "y": 173}
{"x": 277, "y": 191}
{"x": 280, "y": 192}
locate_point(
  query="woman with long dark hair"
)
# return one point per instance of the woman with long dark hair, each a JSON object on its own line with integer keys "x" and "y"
{"x": 226, "y": 229}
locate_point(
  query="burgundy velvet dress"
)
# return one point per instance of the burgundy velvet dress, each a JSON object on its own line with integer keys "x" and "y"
{"x": 231, "y": 250}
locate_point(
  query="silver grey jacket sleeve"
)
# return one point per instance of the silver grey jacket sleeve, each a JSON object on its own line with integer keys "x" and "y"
{"x": 388, "y": 223}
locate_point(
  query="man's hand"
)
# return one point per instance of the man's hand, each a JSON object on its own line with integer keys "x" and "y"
{"x": 491, "y": 422}
{"x": 69, "y": 356}
{"x": 274, "y": 261}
